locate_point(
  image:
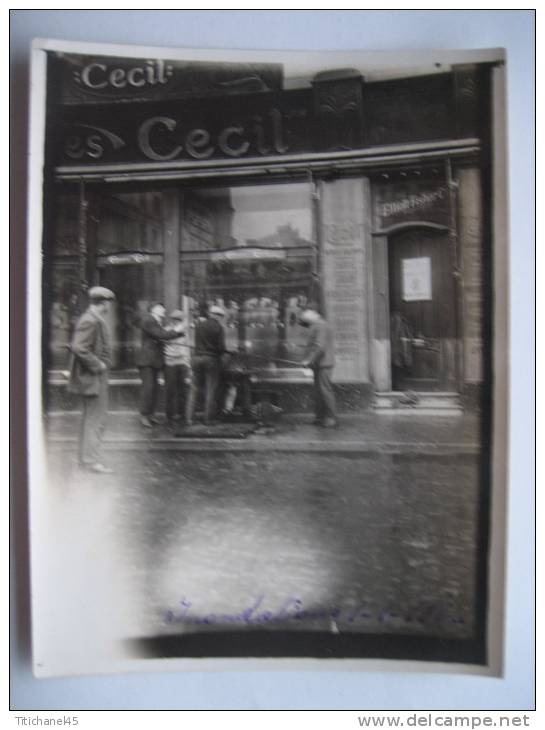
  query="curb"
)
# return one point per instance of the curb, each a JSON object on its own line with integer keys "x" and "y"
{"x": 420, "y": 449}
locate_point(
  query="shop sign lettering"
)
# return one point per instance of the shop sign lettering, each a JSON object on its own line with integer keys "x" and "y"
{"x": 163, "y": 138}
{"x": 89, "y": 141}
{"x": 129, "y": 258}
{"x": 399, "y": 203}
{"x": 109, "y": 79}
{"x": 412, "y": 202}
{"x": 198, "y": 143}
{"x": 97, "y": 76}
{"x": 243, "y": 254}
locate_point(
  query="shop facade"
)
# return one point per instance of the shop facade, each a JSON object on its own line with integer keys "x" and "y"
{"x": 193, "y": 183}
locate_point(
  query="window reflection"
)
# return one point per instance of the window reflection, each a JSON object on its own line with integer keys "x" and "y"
{"x": 249, "y": 250}
{"x": 275, "y": 216}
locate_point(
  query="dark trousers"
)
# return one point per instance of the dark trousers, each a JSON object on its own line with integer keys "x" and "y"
{"x": 93, "y": 423}
{"x": 149, "y": 390}
{"x": 324, "y": 397}
{"x": 206, "y": 368}
{"x": 178, "y": 391}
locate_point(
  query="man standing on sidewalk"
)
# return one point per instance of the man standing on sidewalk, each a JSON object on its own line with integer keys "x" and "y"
{"x": 91, "y": 349}
{"x": 320, "y": 356}
{"x": 178, "y": 375}
{"x": 150, "y": 359}
{"x": 206, "y": 363}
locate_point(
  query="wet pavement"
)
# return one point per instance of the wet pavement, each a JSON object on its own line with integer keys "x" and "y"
{"x": 368, "y": 432}
{"x": 371, "y": 528}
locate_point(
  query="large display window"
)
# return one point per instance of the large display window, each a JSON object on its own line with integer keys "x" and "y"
{"x": 250, "y": 250}
{"x": 108, "y": 237}
{"x": 129, "y": 260}
{"x": 62, "y": 283}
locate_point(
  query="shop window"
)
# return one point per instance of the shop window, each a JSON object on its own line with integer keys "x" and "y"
{"x": 62, "y": 279}
{"x": 129, "y": 223}
{"x": 250, "y": 250}
{"x": 129, "y": 261}
{"x": 136, "y": 286}
{"x": 123, "y": 244}
{"x": 63, "y": 311}
{"x": 65, "y": 241}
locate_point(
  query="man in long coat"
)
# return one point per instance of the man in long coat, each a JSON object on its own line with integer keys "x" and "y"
{"x": 91, "y": 350}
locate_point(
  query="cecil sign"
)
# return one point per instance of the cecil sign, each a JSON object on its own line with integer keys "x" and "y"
{"x": 95, "y": 76}
{"x": 163, "y": 137}
{"x": 110, "y": 79}
{"x": 233, "y": 141}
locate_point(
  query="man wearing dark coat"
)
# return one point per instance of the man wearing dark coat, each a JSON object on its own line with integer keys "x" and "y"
{"x": 150, "y": 359}
{"x": 91, "y": 350}
{"x": 206, "y": 362}
{"x": 320, "y": 356}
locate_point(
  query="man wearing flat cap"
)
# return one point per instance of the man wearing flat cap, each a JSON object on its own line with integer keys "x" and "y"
{"x": 320, "y": 356}
{"x": 91, "y": 350}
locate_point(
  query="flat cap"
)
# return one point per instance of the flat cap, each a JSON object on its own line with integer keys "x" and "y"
{"x": 100, "y": 294}
{"x": 177, "y": 314}
{"x": 214, "y": 309}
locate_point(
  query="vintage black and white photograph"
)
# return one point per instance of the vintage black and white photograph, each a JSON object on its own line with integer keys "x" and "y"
{"x": 266, "y": 354}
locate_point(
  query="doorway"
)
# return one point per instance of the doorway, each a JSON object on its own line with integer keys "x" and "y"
{"x": 422, "y": 311}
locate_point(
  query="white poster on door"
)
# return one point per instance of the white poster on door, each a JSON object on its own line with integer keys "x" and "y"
{"x": 417, "y": 279}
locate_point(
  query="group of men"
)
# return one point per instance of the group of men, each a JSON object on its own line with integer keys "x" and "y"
{"x": 165, "y": 348}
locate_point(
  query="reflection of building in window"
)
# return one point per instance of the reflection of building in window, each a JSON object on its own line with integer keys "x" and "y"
{"x": 285, "y": 237}
{"x": 207, "y": 220}
{"x": 129, "y": 222}
{"x": 277, "y": 216}
{"x": 262, "y": 292}
{"x": 63, "y": 312}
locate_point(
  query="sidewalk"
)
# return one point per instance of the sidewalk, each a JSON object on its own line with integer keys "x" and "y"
{"x": 366, "y": 433}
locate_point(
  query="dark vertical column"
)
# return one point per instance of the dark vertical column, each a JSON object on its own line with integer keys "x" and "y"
{"x": 171, "y": 248}
{"x": 466, "y": 100}
{"x": 338, "y": 109}
{"x": 455, "y": 379}
{"x": 316, "y": 291}
{"x": 93, "y": 222}
{"x": 82, "y": 246}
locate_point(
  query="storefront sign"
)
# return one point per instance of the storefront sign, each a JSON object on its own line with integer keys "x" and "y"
{"x": 96, "y": 79}
{"x": 417, "y": 279}
{"x": 119, "y": 110}
{"x": 257, "y": 126}
{"x": 122, "y": 259}
{"x": 248, "y": 254}
{"x": 410, "y": 201}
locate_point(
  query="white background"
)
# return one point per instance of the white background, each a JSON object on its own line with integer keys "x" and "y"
{"x": 365, "y": 30}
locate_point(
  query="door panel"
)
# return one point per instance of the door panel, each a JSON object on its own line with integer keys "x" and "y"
{"x": 422, "y": 312}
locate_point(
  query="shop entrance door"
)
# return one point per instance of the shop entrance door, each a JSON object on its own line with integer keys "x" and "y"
{"x": 422, "y": 312}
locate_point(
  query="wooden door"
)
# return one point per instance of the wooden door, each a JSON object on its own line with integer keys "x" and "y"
{"x": 422, "y": 312}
